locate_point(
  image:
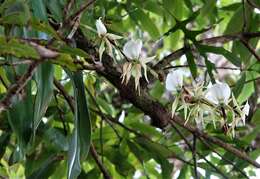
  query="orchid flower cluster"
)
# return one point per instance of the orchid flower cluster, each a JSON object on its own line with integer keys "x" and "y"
{"x": 214, "y": 104}
{"x": 131, "y": 50}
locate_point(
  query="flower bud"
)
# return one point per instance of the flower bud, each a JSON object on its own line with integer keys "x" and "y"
{"x": 101, "y": 29}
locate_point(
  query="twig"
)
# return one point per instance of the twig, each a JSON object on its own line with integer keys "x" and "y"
{"x": 213, "y": 166}
{"x": 3, "y": 82}
{"x": 17, "y": 87}
{"x": 204, "y": 66}
{"x": 244, "y": 16}
{"x": 248, "y": 81}
{"x": 212, "y": 40}
{"x": 99, "y": 163}
{"x": 223, "y": 158}
{"x": 61, "y": 115}
{"x": 20, "y": 62}
{"x": 250, "y": 48}
{"x": 104, "y": 117}
{"x": 194, "y": 157}
{"x": 253, "y": 4}
{"x": 76, "y": 14}
{"x": 138, "y": 134}
{"x": 68, "y": 98}
{"x": 191, "y": 148}
{"x": 68, "y": 7}
{"x": 166, "y": 60}
{"x": 101, "y": 141}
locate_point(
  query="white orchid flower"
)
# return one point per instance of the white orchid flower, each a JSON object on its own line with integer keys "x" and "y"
{"x": 106, "y": 38}
{"x": 101, "y": 28}
{"x": 245, "y": 112}
{"x": 174, "y": 81}
{"x": 218, "y": 93}
{"x": 132, "y": 50}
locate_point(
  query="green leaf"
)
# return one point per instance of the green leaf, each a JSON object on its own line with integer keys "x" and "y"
{"x": 192, "y": 64}
{"x": 140, "y": 153}
{"x": 146, "y": 22}
{"x": 123, "y": 168}
{"x": 173, "y": 7}
{"x": 210, "y": 67}
{"x": 14, "y": 12}
{"x": 39, "y": 9}
{"x": 221, "y": 51}
{"x": 256, "y": 117}
{"x": 157, "y": 90}
{"x": 239, "y": 85}
{"x": 159, "y": 153}
{"x": 4, "y": 140}
{"x": 46, "y": 168}
{"x": 55, "y": 7}
{"x": 185, "y": 172}
{"x": 20, "y": 117}
{"x": 145, "y": 129}
{"x": 17, "y": 49}
{"x": 44, "y": 82}
{"x": 44, "y": 27}
{"x": 57, "y": 139}
{"x": 81, "y": 137}
{"x": 73, "y": 51}
{"x": 234, "y": 25}
{"x": 248, "y": 87}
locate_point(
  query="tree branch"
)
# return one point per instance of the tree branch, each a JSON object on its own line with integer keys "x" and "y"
{"x": 194, "y": 157}
{"x": 223, "y": 158}
{"x": 212, "y": 40}
{"x": 199, "y": 154}
{"x": 64, "y": 94}
{"x": 250, "y": 48}
{"x": 14, "y": 89}
{"x": 99, "y": 163}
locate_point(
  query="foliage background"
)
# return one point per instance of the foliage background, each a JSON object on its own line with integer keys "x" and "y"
{"x": 60, "y": 113}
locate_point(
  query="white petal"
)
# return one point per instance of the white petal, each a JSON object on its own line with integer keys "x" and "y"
{"x": 218, "y": 93}
{"x": 113, "y": 36}
{"x": 174, "y": 81}
{"x": 132, "y": 49}
{"x": 122, "y": 117}
{"x": 147, "y": 59}
{"x": 101, "y": 29}
{"x": 246, "y": 109}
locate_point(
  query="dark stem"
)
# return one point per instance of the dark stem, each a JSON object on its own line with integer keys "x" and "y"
{"x": 194, "y": 157}
{"x": 99, "y": 162}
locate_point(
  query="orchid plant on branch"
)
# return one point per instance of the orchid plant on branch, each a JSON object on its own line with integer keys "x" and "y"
{"x": 210, "y": 105}
{"x": 165, "y": 85}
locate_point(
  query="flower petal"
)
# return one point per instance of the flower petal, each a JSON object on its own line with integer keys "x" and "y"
{"x": 101, "y": 28}
{"x": 246, "y": 109}
{"x": 132, "y": 49}
{"x": 174, "y": 81}
{"x": 218, "y": 93}
{"x": 147, "y": 60}
{"x": 113, "y": 36}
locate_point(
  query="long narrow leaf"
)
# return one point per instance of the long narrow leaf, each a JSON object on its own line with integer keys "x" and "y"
{"x": 44, "y": 81}
{"x": 81, "y": 137}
